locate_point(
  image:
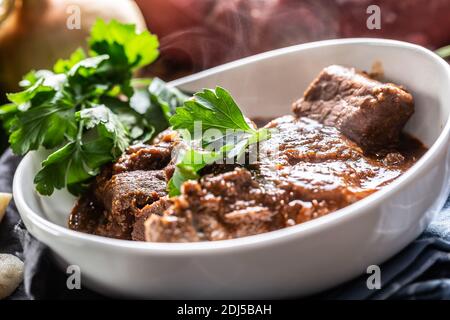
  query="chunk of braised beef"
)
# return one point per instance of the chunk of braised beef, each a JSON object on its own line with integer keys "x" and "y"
{"x": 168, "y": 227}
{"x": 143, "y": 157}
{"x": 155, "y": 208}
{"x": 308, "y": 170}
{"x": 346, "y": 150}
{"x": 367, "y": 111}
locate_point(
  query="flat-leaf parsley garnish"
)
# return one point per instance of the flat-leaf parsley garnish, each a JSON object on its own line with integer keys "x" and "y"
{"x": 225, "y": 133}
{"x": 86, "y": 110}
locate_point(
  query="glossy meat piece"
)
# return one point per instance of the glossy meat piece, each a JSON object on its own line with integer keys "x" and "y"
{"x": 120, "y": 198}
{"x": 317, "y": 162}
{"x": 143, "y": 157}
{"x": 305, "y": 170}
{"x": 131, "y": 190}
{"x": 117, "y": 206}
{"x": 155, "y": 208}
{"x": 163, "y": 226}
{"x": 215, "y": 208}
{"x": 126, "y": 193}
{"x": 148, "y": 157}
{"x": 367, "y": 111}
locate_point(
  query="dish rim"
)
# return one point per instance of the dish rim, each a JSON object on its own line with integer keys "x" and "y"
{"x": 281, "y": 235}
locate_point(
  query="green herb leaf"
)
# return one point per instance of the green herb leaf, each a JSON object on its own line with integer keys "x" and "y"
{"x": 7, "y": 114}
{"x": 82, "y": 109}
{"x": 124, "y": 44}
{"x": 63, "y": 66}
{"x": 242, "y": 145}
{"x": 189, "y": 163}
{"x": 48, "y": 125}
{"x": 24, "y": 98}
{"x": 87, "y": 67}
{"x": 153, "y": 114}
{"x": 73, "y": 165}
{"x": 216, "y": 109}
{"x": 168, "y": 99}
{"x": 102, "y": 117}
{"x": 139, "y": 127}
{"x": 231, "y": 137}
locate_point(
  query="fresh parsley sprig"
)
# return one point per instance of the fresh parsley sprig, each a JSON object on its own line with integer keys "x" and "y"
{"x": 188, "y": 165}
{"x": 225, "y": 133}
{"x": 86, "y": 109}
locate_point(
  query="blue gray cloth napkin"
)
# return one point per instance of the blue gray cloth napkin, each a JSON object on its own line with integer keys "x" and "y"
{"x": 420, "y": 271}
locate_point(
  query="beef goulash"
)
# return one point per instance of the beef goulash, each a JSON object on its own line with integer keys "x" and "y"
{"x": 343, "y": 143}
{"x": 369, "y": 112}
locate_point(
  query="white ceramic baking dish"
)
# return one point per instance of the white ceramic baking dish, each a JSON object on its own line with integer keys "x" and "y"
{"x": 295, "y": 261}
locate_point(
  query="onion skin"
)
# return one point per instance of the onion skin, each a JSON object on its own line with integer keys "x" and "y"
{"x": 35, "y": 35}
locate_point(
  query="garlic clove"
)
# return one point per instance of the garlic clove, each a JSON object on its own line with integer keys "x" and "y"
{"x": 11, "y": 274}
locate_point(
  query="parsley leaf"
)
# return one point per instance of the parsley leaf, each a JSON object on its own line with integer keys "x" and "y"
{"x": 139, "y": 126}
{"x": 45, "y": 125}
{"x": 82, "y": 111}
{"x": 45, "y": 117}
{"x": 156, "y": 101}
{"x": 73, "y": 165}
{"x": 168, "y": 99}
{"x": 64, "y": 65}
{"x": 103, "y": 118}
{"x": 124, "y": 44}
{"x": 24, "y": 98}
{"x": 189, "y": 163}
{"x": 216, "y": 109}
{"x": 7, "y": 114}
{"x": 225, "y": 133}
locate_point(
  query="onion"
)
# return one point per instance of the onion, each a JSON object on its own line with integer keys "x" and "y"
{"x": 36, "y": 33}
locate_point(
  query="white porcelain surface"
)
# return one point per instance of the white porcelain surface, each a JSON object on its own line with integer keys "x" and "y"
{"x": 295, "y": 261}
